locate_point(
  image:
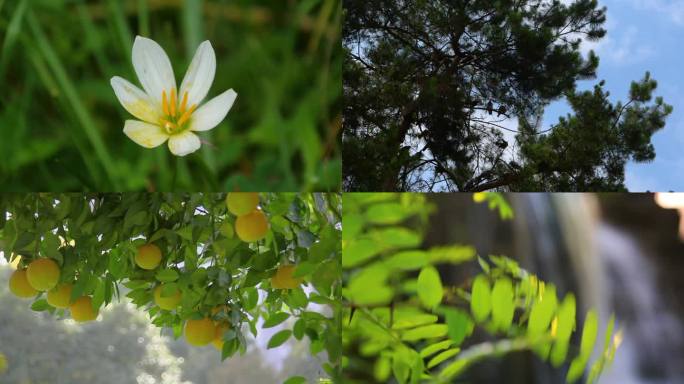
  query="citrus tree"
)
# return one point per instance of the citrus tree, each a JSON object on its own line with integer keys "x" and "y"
{"x": 207, "y": 266}
{"x": 402, "y": 321}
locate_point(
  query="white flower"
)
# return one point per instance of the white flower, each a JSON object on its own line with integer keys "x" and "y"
{"x": 166, "y": 113}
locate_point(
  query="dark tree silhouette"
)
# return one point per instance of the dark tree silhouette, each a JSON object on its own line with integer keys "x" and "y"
{"x": 429, "y": 85}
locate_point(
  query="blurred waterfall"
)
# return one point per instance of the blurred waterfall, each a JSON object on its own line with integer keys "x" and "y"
{"x": 652, "y": 348}
{"x": 561, "y": 238}
{"x": 564, "y": 238}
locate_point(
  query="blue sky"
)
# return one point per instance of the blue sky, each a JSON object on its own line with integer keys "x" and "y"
{"x": 644, "y": 35}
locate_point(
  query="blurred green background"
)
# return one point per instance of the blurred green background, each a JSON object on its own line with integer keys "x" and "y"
{"x": 61, "y": 124}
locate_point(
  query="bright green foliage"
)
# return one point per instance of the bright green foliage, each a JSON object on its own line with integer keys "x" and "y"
{"x": 565, "y": 325}
{"x": 586, "y": 346}
{"x": 94, "y": 239}
{"x": 62, "y": 125}
{"x": 495, "y": 201}
{"x": 502, "y": 304}
{"x": 411, "y": 325}
{"x": 481, "y": 298}
{"x": 429, "y": 287}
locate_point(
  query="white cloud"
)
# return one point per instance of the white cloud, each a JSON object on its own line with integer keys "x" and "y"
{"x": 623, "y": 47}
{"x": 673, "y": 9}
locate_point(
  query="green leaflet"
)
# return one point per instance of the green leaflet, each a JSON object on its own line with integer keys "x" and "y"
{"x": 436, "y": 347}
{"x": 425, "y": 332}
{"x": 430, "y": 290}
{"x": 542, "y": 313}
{"x": 442, "y": 357}
{"x": 565, "y": 325}
{"x": 481, "y": 298}
{"x": 587, "y": 344}
{"x": 503, "y": 305}
{"x": 459, "y": 325}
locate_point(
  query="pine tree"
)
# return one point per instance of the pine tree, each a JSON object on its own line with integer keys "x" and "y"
{"x": 428, "y": 85}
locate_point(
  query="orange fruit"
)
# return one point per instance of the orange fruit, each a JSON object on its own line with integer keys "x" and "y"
{"x": 19, "y": 284}
{"x": 82, "y": 309}
{"x": 169, "y": 302}
{"x": 200, "y": 332}
{"x": 148, "y": 257}
{"x": 242, "y": 203}
{"x": 43, "y": 274}
{"x": 252, "y": 226}
{"x": 283, "y": 278}
{"x": 60, "y": 297}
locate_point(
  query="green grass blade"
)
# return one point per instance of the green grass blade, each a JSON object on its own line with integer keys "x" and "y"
{"x": 85, "y": 119}
{"x": 11, "y": 35}
{"x": 143, "y": 18}
{"x": 122, "y": 29}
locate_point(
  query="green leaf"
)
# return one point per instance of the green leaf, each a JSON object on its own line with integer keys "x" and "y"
{"x": 298, "y": 329}
{"x": 454, "y": 368}
{"x": 295, "y": 380}
{"x": 368, "y": 286}
{"x": 407, "y": 260}
{"x": 481, "y": 298}
{"x": 565, "y": 325}
{"x": 436, "y": 347}
{"x": 40, "y": 305}
{"x": 430, "y": 290}
{"x": 98, "y": 295}
{"x": 542, "y": 312}
{"x": 453, "y": 254}
{"x": 166, "y": 275}
{"x": 401, "y": 364}
{"x": 279, "y": 338}
{"x": 503, "y": 305}
{"x": 396, "y": 237}
{"x": 425, "y": 332}
{"x": 388, "y": 213}
{"x": 589, "y": 332}
{"x": 358, "y": 251}
{"x": 275, "y": 319}
{"x": 443, "y": 356}
{"x": 410, "y": 320}
{"x": 459, "y": 325}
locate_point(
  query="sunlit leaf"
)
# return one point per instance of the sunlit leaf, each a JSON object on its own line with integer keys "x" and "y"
{"x": 480, "y": 299}
{"x": 430, "y": 290}
{"x": 502, "y": 304}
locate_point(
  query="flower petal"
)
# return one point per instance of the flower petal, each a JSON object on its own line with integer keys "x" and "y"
{"x": 213, "y": 112}
{"x": 136, "y": 102}
{"x": 184, "y": 143}
{"x": 145, "y": 134}
{"x": 153, "y": 68}
{"x": 200, "y": 74}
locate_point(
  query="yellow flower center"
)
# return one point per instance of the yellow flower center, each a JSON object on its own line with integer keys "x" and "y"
{"x": 175, "y": 116}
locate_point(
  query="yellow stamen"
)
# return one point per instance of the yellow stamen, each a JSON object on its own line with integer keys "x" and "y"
{"x": 165, "y": 105}
{"x": 184, "y": 103}
{"x": 187, "y": 114}
{"x": 173, "y": 102}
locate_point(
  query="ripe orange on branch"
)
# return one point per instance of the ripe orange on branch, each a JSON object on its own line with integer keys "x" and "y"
{"x": 19, "y": 284}
{"x": 168, "y": 302}
{"x": 60, "y": 297}
{"x": 252, "y": 226}
{"x": 242, "y": 203}
{"x": 82, "y": 309}
{"x": 200, "y": 332}
{"x": 43, "y": 274}
{"x": 283, "y": 278}
{"x": 148, "y": 257}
